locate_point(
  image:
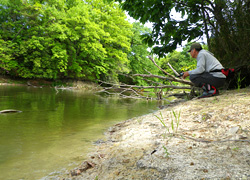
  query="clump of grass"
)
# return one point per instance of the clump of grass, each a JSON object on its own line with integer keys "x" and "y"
{"x": 166, "y": 151}
{"x": 161, "y": 119}
{"x": 239, "y": 81}
{"x": 174, "y": 123}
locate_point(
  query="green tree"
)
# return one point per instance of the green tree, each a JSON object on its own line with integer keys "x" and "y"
{"x": 231, "y": 33}
{"x": 139, "y": 52}
{"x": 179, "y": 61}
{"x": 139, "y": 63}
{"x": 7, "y": 62}
{"x": 64, "y": 39}
{"x": 224, "y": 23}
{"x": 116, "y": 39}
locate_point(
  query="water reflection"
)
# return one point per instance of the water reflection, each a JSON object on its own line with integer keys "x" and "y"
{"x": 55, "y": 128}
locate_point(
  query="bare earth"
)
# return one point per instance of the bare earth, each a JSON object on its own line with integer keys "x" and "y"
{"x": 212, "y": 141}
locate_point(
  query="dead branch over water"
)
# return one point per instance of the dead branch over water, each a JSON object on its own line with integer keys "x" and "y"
{"x": 173, "y": 78}
{"x": 135, "y": 91}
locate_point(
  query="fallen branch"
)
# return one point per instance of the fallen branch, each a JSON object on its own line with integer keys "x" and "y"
{"x": 173, "y": 78}
{"x": 152, "y": 76}
{"x": 166, "y": 73}
{"x": 138, "y": 91}
{"x": 146, "y": 87}
{"x": 178, "y": 95}
{"x": 175, "y": 72}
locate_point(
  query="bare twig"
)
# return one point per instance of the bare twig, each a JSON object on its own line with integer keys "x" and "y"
{"x": 173, "y": 78}
{"x": 176, "y": 73}
{"x": 166, "y": 73}
{"x": 146, "y": 75}
{"x": 146, "y": 87}
{"x": 147, "y": 71}
{"x": 153, "y": 76}
{"x": 137, "y": 91}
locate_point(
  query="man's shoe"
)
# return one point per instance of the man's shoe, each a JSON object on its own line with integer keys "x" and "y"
{"x": 213, "y": 92}
{"x": 204, "y": 95}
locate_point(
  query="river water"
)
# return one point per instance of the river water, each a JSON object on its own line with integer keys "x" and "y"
{"x": 56, "y": 128}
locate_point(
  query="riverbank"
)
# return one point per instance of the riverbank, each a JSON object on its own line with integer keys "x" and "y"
{"x": 212, "y": 141}
{"x": 57, "y": 84}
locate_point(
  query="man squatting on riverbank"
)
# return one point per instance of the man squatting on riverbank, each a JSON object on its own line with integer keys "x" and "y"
{"x": 203, "y": 76}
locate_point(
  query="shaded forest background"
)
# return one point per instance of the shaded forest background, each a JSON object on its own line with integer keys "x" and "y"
{"x": 92, "y": 39}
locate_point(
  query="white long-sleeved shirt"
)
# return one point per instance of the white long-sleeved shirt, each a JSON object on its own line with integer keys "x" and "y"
{"x": 206, "y": 62}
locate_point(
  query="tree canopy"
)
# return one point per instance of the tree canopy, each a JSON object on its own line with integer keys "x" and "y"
{"x": 63, "y": 39}
{"x": 224, "y": 23}
{"x": 92, "y": 39}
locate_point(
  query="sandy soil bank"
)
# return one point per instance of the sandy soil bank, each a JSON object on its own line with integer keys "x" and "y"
{"x": 212, "y": 141}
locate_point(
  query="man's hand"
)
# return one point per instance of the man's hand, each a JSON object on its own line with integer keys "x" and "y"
{"x": 185, "y": 74}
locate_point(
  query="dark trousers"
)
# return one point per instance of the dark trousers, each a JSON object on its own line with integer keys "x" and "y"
{"x": 207, "y": 78}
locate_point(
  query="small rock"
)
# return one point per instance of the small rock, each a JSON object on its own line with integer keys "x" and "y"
{"x": 248, "y": 162}
{"x": 112, "y": 129}
{"x": 10, "y": 111}
{"x": 78, "y": 172}
{"x": 126, "y": 161}
{"x": 85, "y": 166}
{"x": 205, "y": 170}
{"x": 73, "y": 173}
{"x": 99, "y": 141}
{"x": 242, "y": 137}
{"x": 91, "y": 164}
{"x": 101, "y": 156}
{"x": 117, "y": 173}
{"x": 233, "y": 130}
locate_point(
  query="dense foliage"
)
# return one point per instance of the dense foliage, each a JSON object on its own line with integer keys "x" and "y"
{"x": 224, "y": 23}
{"x": 63, "y": 39}
{"x": 139, "y": 63}
{"x": 230, "y": 39}
{"x": 92, "y": 39}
